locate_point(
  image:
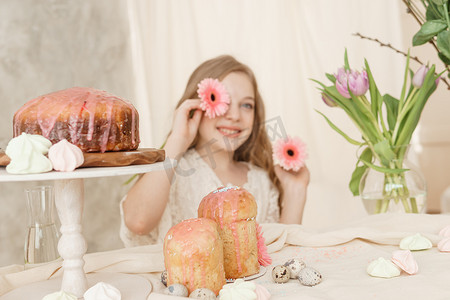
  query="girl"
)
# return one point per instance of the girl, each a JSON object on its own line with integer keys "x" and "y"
{"x": 232, "y": 149}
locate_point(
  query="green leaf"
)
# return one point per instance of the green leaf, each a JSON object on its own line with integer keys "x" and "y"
{"x": 349, "y": 139}
{"x": 331, "y": 77}
{"x": 366, "y": 155}
{"x": 391, "y": 104}
{"x": 428, "y": 30}
{"x": 384, "y": 151}
{"x": 439, "y": 2}
{"x": 444, "y": 59}
{"x": 384, "y": 170}
{"x": 410, "y": 121}
{"x": 346, "y": 64}
{"x": 432, "y": 13}
{"x": 356, "y": 179}
{"x": 375, "y": 95}
{"x": 443, "y": 43}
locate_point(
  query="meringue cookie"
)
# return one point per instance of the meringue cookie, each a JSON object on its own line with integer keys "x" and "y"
{"x": 383, "y": 268}
{"x": 238, "y": 290}
{"x": 26, "y": 152}
{"x": 405, "y": 261}
{"x": 102, "y": 291}
{"x": 261, "y": 292}
{"x": 445, "y": 232}
{"x": 61, "y": 295}
{"x": 415, "y": 242}
{"x": 65, "y": 156}
{"x": 444, "y": 245}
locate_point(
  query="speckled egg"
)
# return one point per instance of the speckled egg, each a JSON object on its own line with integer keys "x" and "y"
{"x": 203, "y": 293}
{"x": 281, "y": 274}
{"x": 295, "y": 265}
{"x": 309, "y": 276}
{"x": 176, "y": 289}
{"x": 164, "y": 277}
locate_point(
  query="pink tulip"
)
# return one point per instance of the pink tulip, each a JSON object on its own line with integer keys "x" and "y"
{"x": 328, "y": 101}
{"x": 437, "y": 80}
{"x": 419, "y": 77}
{"x": 357, "y": 82}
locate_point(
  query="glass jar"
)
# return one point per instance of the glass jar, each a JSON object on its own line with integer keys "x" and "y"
{"x": 402, "y": 191}
{"x": 41, "y": 244}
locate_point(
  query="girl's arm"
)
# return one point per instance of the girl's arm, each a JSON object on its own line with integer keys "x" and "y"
{"x": 295, "y": 185}
{"x": 147, "y": 199}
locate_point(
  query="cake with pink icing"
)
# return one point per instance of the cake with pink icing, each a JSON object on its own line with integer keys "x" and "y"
{"x": 234, "y": 209}
{"x": 93, "y": 120}
{"x": 193, "y": 255}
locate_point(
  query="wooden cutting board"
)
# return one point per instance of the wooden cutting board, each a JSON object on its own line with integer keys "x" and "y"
{"x": 140, "y": 156}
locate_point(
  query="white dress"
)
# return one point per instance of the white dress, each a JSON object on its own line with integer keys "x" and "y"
{"x": 193, "y": 180}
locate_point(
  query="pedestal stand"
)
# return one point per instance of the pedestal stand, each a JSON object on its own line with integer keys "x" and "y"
{"x": 69, "y": 199}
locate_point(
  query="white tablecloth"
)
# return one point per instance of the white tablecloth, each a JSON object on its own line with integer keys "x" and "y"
{"x": 340, "y": 254}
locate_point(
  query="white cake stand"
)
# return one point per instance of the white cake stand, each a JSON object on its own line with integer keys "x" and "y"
{"x": 69, "y": 200}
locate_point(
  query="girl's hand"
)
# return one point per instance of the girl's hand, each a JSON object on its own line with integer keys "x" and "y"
{"x": 295, "y": 186}
{"x": 185, "y": 126}
{"x": 290, "y": 179}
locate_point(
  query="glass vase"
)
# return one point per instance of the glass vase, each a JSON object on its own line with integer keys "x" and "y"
{"x": 403, "y": 191}
{"x": 41, "y": 243}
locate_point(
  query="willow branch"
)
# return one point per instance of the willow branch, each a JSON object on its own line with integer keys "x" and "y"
{"x": 415, "y": 58}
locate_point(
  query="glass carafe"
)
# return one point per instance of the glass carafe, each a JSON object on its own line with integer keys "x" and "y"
{"x": 41, "y": 244}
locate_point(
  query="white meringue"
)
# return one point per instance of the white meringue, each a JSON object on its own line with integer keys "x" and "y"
{"x": 445, "y": 232}
{"x": 405, "y": 261}
{"x": 26, "y": 152}
{"x": 261, "y": 292}
{"x": 238, "y": 290}
{"x": 415, "y": 242}
{"x": 444, "y": 245}
{"x": 102, "y": 291}
{"x": 383, "y": 268}
{"x": 65, "y": 156}
{"x": 61, "y": 295}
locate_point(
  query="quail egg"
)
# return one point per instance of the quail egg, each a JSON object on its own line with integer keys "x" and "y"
{"x": 176, "y": 289}
{"x": 309, "y": 276}
{"x": 295, "y": 265}
{"x": 281, "y": 274}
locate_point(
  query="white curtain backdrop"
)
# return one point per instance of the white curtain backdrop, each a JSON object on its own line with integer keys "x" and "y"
{"x": 286, "y": 43}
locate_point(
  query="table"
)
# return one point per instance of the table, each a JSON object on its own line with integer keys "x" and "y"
{"x": 69, "y": 200}
{"x": 341, "y": 254}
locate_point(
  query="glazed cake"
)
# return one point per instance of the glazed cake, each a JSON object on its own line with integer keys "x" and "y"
{"x": 93, "y": 120}
{"x": 193, "y": 255}
{"x": 234, "y": 209}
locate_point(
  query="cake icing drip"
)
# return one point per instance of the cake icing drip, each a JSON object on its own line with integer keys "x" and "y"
{"x": 264, "y": 258}
{"x": 80, "y": 101}
{"x": 193, "y": 237}
{"x": 102, "y": 291}
{"x": 238, "y": 290}
{"x": 216, "y": 203}
{"x": 61, "y": 295}
{"x": 26, "y": 152}
{"x": 65, "y": 156}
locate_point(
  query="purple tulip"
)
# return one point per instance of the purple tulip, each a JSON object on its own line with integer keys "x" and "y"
{"x": 419, "y": 77}
{"x": 328, "y": 101}
{"x": 357, "y": 82}
{"x": 437, "y": 80}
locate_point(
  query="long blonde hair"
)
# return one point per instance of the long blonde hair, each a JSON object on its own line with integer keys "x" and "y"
{"x": 258, "y": 141}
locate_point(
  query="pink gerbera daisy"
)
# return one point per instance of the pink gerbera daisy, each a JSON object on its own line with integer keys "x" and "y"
{"x": 290, "y": 153}
{"x": 214, "y": 97}
{"x": 264, "y": 258}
